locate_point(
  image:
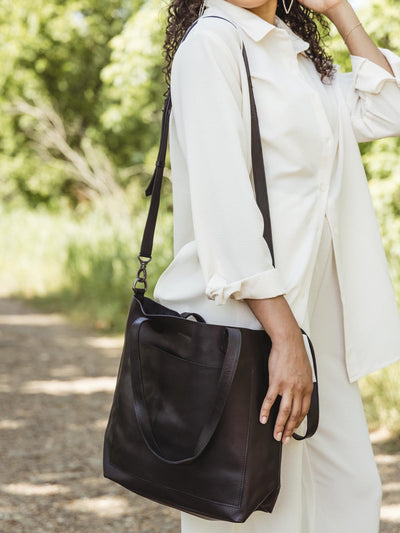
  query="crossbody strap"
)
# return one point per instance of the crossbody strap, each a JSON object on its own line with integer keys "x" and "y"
{"x": 260, "y": 186}
{"x": 154, "y": 187}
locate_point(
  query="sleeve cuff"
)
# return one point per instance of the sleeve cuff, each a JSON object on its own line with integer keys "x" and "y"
{"x": 370, "y": 77}
{"x": 266, "y": 284}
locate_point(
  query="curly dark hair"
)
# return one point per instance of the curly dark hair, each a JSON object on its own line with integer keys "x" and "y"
{"x": 301, "y": 20}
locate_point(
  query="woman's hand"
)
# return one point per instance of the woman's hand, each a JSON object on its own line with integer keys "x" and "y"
{"x": 290, "y": 373}
{"x": 322, "y": 6}
{"x": 341, "y": 13}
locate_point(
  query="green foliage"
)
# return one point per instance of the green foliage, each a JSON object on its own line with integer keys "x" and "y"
{"x": 381, "y": 398}
{"x": 81, "y": 264}
{"x": 134, "y": 85}
{"x": 54, "y": 54}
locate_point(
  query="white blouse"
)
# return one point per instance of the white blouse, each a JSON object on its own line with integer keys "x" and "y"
{"x": 309, "y": 133}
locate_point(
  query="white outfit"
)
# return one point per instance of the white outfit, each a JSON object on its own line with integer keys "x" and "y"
{"x": 220, "y": 255}
{"x": 329, "y": 482}
{"x": 329, "y": 258}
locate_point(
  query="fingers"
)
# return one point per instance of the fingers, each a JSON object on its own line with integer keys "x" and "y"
{"x": 268, "y": 402}
{"x": 291, "y": 379}
{"x": 305, "y": 407}
{"x": 300, "y": 407}
{"x": 294, "y": 419}
{"x": 292, "y": 411}
{"x": 285, "y": 409}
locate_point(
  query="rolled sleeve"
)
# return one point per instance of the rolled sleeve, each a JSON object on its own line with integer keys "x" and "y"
{"x": 207, "y": 108}
{"x": 373, "y": 97}
{"x": 262, "y": 285}
{"x": 370, "y": 77}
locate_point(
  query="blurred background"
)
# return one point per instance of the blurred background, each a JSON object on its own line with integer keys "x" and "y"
{"x": 80, "y": 116}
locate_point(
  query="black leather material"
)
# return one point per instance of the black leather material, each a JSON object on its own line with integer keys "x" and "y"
{"x": 184, "y": 427}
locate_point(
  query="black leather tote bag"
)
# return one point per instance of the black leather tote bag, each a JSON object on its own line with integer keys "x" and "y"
{"x": 184, "y": 426}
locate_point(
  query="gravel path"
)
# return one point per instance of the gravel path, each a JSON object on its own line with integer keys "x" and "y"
{"x": 56, "y": 385}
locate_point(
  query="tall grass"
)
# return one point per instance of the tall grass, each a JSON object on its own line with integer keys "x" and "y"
{"x": 381, "y": 397}
{"x": 83, "y": 265}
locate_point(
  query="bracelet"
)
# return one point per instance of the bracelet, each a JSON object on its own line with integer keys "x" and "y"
{"x": 345, "y": 38}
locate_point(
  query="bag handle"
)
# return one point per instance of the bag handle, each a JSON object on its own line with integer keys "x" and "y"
{"x": 227, "y": 374}
{"x": 313, "y": 412}
{"x": 228, "y": 371}
{"x": 154, "y": 187}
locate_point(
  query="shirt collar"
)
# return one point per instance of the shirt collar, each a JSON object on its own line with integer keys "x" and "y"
{"x": 255, "y": 26}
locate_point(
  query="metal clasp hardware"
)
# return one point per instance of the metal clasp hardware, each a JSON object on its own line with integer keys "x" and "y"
{"x": 142, "y": 270}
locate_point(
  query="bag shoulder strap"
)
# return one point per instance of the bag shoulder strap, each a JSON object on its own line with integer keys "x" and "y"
{"x": 154, "y": 187}
{"x": 260, "y": 186}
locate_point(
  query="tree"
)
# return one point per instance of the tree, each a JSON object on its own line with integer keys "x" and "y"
{"x": 53, "y": 56}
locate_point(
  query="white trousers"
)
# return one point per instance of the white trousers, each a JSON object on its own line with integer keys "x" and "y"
{"x": 330, "y": 482}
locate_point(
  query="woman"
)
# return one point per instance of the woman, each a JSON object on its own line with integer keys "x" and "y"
{"x": 330, "y": 275}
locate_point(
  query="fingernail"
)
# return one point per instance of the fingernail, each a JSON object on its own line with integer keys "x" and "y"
{"x": 263, "y": 420}
{"x": 287, "y": 439}
{"x": 278, "y": 437}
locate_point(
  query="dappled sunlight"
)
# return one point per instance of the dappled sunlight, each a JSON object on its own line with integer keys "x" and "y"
{"x": 32, "y": 319}
{"x": 96, "y": 425}
{"x": 107, "y": 506}
{"x": 387, "y": 459}
{"x": 392, "y": 486}
{"x": 391, "y": 513}
{"x": 32, "y": 489}
{"x": 57, "y": 387}
{"x": 65, "y": 371}
{"x": 99, "y": 424}
{"x": 380, "y": 435}
{"x": 12, "y": 424}
{"x": 105, "y": 343}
